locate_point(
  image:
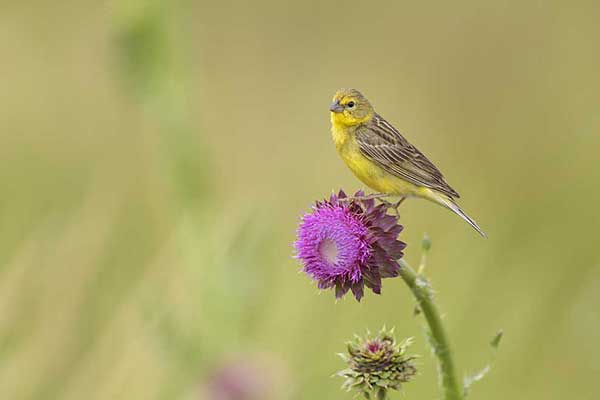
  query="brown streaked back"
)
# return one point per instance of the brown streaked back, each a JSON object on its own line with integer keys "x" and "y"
{"x": 380, "y": 142}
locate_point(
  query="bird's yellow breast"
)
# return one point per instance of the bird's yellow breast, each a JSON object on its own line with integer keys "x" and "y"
{"x": 367, "y": 171}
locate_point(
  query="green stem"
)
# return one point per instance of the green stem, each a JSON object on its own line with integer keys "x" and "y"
{"x": 439, "y": 340}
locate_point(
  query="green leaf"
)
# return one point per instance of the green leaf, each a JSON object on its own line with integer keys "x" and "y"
{"x": 469, "y": 380}
{"x": 495, "y": 343}
{"x": 476, "y": 377}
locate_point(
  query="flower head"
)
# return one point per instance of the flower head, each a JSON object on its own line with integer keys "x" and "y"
{"x": 242, "y": 381}
{"x": 245, "y": 377}
{"x": 377, "y": 364}
{"x": 348, "y": 243}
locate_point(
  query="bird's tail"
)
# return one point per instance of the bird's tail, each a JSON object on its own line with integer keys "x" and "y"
{"x": 452, "y": 206}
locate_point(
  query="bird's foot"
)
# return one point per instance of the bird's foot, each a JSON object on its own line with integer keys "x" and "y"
{"x": 380, "y": 197}
{"x": 393, "y": 206}
{"x": 372, "y": 196}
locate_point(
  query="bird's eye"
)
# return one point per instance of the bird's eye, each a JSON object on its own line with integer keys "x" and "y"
{"x": 350, "y": 104}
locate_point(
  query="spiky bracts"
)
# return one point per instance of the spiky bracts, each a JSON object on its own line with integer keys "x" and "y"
{"x": 348, "y": 243}
{"x": 377, "y": 364}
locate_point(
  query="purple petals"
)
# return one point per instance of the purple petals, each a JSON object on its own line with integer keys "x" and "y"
{"x": 348, "y": 243}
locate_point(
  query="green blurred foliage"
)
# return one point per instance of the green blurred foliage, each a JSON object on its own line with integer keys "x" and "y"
{"x": 156, "y": 157}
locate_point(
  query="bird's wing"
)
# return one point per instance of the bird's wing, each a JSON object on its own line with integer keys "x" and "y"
{"x": 380, "y": 142}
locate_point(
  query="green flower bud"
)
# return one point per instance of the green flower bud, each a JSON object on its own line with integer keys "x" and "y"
{"x": 426, "y": 243}
{"x": 377, "y": 364}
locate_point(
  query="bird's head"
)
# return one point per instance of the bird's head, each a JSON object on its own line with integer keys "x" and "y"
{"x": 350, "y": 107}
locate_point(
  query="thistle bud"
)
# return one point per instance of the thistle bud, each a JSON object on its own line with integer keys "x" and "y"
{"x": 426, "y": 243}
{"x": 377, "y": 364}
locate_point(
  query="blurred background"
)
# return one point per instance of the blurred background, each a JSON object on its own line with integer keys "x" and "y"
{"x": 157, "y": 155}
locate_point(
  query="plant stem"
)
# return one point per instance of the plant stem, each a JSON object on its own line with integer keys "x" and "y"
{"x": 439, "y": 341}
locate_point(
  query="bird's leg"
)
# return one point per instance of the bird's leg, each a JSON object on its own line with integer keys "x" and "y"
{"x": 399, "y": 202}
{"x": 396, "y": 205}
{"x": 386, "y": 203}
{"x": 370, "y": 197}
{"x": 380, "y": 196}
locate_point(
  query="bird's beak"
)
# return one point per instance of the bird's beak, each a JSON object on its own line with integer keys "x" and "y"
{"x": 336, "y": 107}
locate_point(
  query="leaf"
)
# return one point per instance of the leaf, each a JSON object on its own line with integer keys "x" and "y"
{"x": 495, "y": 343}
{"x": 471, "y": 379}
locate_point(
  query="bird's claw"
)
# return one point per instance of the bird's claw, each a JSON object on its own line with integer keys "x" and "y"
{"x": 380, "y": 197}
{"x": 393, "y": 206}
{"x": 372, "y": 196}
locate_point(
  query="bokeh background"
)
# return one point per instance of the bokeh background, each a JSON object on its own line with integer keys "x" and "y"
{"x": 156, "y": 157}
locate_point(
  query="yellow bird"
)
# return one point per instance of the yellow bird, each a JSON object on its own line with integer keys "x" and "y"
{"x": 382, "y": 158}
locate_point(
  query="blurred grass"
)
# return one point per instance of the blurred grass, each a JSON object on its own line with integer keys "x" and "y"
{"x": 156, "y": 157}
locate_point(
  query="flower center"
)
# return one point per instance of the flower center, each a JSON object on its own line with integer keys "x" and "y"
{"x": 374, "y": 347}
{"x": 328, "y": 250}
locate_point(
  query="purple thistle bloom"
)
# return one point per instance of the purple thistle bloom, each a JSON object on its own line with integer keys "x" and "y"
{"x": 347, "y": 244}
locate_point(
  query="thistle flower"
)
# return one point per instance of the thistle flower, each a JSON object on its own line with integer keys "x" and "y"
{"x": 377, "y": 364}
{"x": 246, "y": 377}
{"x": 349, "y": 243}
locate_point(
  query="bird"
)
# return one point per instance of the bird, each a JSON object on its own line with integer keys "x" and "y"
{"x": 381, "y": 157}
